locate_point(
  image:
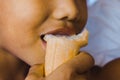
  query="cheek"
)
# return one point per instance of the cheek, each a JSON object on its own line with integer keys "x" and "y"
{"x": 17, "y": 12}
{"x": 20, "y": 20}
{"x": 83, "y": 9}
{"x": 83, "y": 12}
{"x": 82, "y": 6}
{"x": 22, "y": 17}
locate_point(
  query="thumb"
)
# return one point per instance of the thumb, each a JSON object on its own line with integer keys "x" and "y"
{"x": 82, "y": 62}
{"x": 36, "y": 72}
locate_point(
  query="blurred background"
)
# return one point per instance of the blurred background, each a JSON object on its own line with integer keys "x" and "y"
{"x": 104, "y": 28}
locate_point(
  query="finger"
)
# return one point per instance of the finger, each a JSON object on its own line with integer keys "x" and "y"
{"x": 82, "y": 62}
{"x": 36, "y": 72}
{"x": 80, "y": 77}
{"x": 63, "y": 72}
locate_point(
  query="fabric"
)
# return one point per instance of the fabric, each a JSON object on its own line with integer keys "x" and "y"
{"x": 91, "y": 2}
{"x": 104, "y": 27}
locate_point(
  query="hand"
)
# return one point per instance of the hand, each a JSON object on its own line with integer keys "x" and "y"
{"x": 110, "y": 71}
{"x": 72, "y": 70}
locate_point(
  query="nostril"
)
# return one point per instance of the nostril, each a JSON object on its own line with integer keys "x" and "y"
{"x": 64, "y": 18}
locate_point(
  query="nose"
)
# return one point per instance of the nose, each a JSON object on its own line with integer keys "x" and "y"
{"x": 65, "y": 9}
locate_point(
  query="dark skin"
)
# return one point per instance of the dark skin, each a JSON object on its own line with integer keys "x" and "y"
{"x": 12, "y": 68}
{"x": 109, "y": 72}
{"x": 74, "y": 69}
{"x": 17, "y": 69}
{"x": 23, "y": 22}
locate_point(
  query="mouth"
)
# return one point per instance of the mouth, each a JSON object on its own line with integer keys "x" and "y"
{"x": 43, "y": 41}
{"x": 60, "y": 32}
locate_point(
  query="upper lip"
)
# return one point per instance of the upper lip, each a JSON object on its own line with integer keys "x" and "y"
{"x": 67, "y": 30}
{"x": 62, "y": 31}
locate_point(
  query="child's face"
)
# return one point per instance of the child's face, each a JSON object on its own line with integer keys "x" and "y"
{"x": 24, "y": 22}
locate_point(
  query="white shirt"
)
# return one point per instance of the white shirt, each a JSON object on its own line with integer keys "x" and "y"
{"x": 104, "y": 27}
{"x": 91, "y": 2}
